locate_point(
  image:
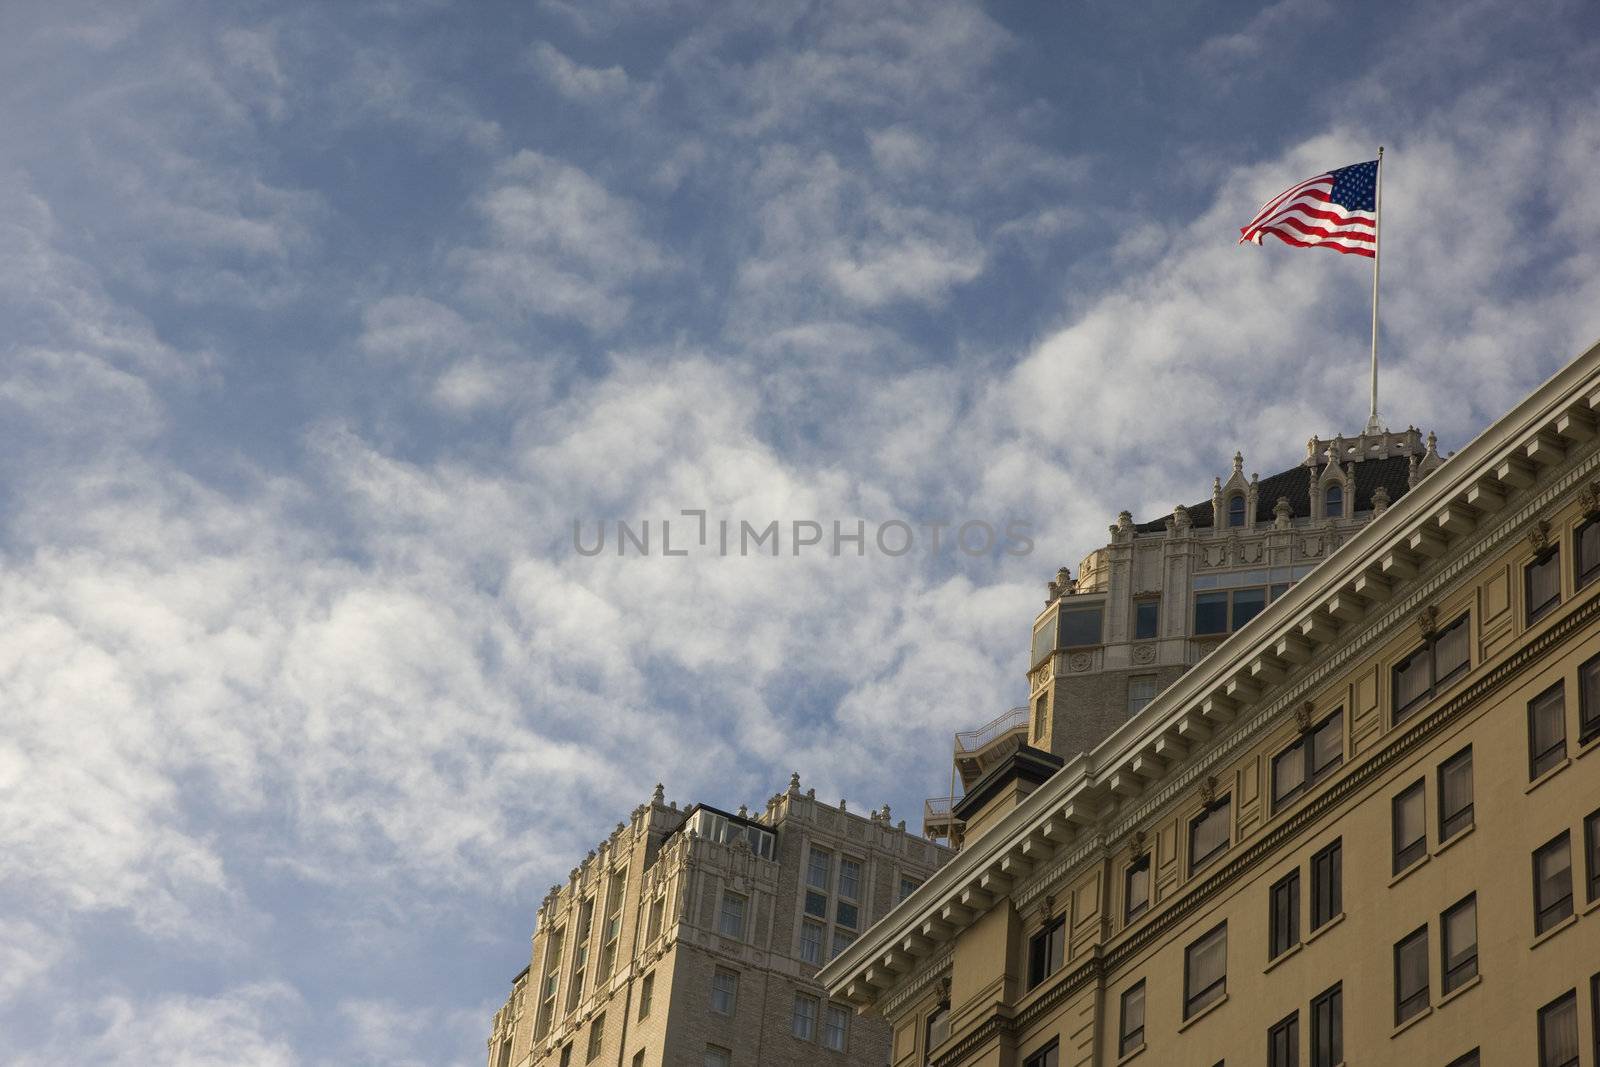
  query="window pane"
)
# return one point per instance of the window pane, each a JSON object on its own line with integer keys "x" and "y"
{"x": 847, "y": 915}
{"x": 1410, "y": 681}
{"x": 1587, "y": 543}
{"x": 1208, "y": 833}
{"x": 724, "y": 991}
{"x": 1327, "y": 745}
{"x": 816, "y": 904}
{"x": 1285, "y": 915}
{"x": 1211, "y": 613}
{"x": 1547, "y": 731}
{"x": 1146, "y": 619}
{"x": 1327, "y": 1028}
{"x": 1558, "y": 1032}
{"x": 1326, "y": 891}
{"x": 1591, "y": 848}
{"x": 811, "y": 942}
{"x": 731, "y": 922}
{"x": 1205, "y": 970}
{"x": 1410, "y": 831}
{"x": 804, "y": 1020}
{"x": 1141, "y": 691}
{"x": 1080, "y": 626}
{"x": 834, "y": 1027}
{"x": 818, "y": 865}
{"x": 842, "y": 940}
{"x": 1283, "y": 1043}
{"x": 1450, "y": 651}
{"x": 717, "y": 1057}
{"x": 1044, "y": 641}
{"x": 1459, "y": 929}
{"x": 1132, "y": 1033}
{"x": 1236, "y": 511}
{"x": 1589, "y": 696}
{"x": 849, "y": 878}
{"x": 1543, "y": 584}
{"x": 1455, "y": 795}
{"x": 1247, "y": 604}
{"x": 1334, "y": 502}
{"x": 1288, "y": 772}
{"x": 1136, "y": 887}
{"x": 1552, "y": 883}
{"x": 1411, "y": 976}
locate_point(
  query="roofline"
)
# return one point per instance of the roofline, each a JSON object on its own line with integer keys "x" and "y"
{"x": 1418, "y": 511}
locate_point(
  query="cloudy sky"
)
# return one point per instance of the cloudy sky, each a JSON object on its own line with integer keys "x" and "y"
{"x": 321, "y": 324}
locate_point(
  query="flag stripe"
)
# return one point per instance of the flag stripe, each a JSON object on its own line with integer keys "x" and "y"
{"x": 1327, "y": 211}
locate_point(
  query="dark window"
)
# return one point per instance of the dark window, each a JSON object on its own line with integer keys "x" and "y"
{"x": 1327, "y": 1028}
{"x": 1410, "y": 827}
{"x": 1591, "y": 851}
{"x": 1208, "y": 834}
{"x": 1547, "y": 730}
{"x": 1455, "y": 794}
{"x": 1247, "y": 604}
{"x": 1044, "y": 641}
{"x": 1411, "y": 976}
{"x": 1131, "y": 1034}
{"x": 1136, "y": 888}
{"x": 1469, "y": 1060}
{"x": 1211, "y": 613}
{"x": 1589, "y": 701}
{"x": 1045, "y": 1057}
{"x": 566, "y": 1055}
{"x": 1542, "y": 583}
{"x": 1334, "y": 502}
{"x": 816, "y": 904}
{"x": 1558, "y": 1031}
{"x": 1422, "y": 674}
{"x": 647, "y": 988}
{"x": 1284, "y": 930}
{"x": 1283, "y": 1042}
{"x": 1300, "y": 766}
{"x": 1552, "y": 883}
{"x": 1327, "y": 897}
{"x": 1041, "y": 714}
{"x": 505, "y": 1054}
{"x": 1080, "y": 626}
{"x": 1146, "y": 619}
{"x": 1594, "y": 1014}
{"x": 1586, "y": 550}
{"x": 1236, "y": 511}
{"x": 1205, "y": 970}
{"x": 1045, "y": 951}
{"x": 1458, "y": 932}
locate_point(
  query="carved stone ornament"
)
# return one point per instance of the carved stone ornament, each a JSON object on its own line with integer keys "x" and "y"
{"x": 1589, "y": 499}
{"x": 1144, "y": 653}
{"x": 1539, "y": 536}
{"x": 1303, "y": 716}
{"x": 1079, "y": 661}
{"x": 944, "y": 992}
{"x": 1428, "y": 621}
{"x": 1047, "y": 907}
{"x": 1136, "y": 844}
{"x": 1208, "y": 790}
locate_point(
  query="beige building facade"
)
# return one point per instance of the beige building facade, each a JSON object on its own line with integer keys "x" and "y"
{"x": 1363, "y": 828}
{"x": 693, "y": 937}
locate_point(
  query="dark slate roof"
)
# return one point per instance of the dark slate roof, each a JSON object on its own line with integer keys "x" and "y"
{"x": 1295, "y": 483}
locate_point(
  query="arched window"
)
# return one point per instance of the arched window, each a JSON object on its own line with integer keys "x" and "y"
{"x": 1333, "y": 503}
{"x": 1236, "y": 511}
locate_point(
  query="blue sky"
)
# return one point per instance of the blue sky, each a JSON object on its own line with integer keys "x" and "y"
{"x": 320, "y": 324}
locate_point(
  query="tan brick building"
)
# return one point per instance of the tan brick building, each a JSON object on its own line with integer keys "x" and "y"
{"x": 692, "y": 939}
{"x": 1364, "y": 829}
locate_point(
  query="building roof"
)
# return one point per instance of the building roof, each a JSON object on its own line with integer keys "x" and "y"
{"x": 1393, "y": 473}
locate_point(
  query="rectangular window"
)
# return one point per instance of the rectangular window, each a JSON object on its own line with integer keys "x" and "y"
{"x": 1455, "y": 794}
{"x": 597, "y": 1037}
{"x": 613, "y": 928}
{"x": 842, "y": 939}
{"x": 658, "y": 908}
{"x": 1247, "y": 604}
{"x": 1586, "y": 551}
{"x": 1327, "y": 1028}
{"x": 816, "y": 904}
{"x": 1283, "y": 1042}
{"x": 1210, "y": 613}
{"x": 1469, "y": 1060}
{"x": 846, "y": 914}
{"x": 1552, "y": 883}
{"x": 552, "y": 979}
{"x": 647, "y": 992}
{"x": 1142, "y": 690}
{"x": 1044, "y": 641}
{"x": 566, "y": 1055}
{"x": 835, "y": 1027}
{"x": 1045, "y": 951}
{"x": 937, "y": 1031}
{"x": 1205, "y": 970}
{"x": 803, "y": 1023}
{"x": 1146, "y": 619}
{"x": 724, "y": 991}
{"x": 1130, "y": 1033}
{"x": 1594, "y": 1014}
{"x": 1591, "y": 852}
{"x": 1542, "y": 583}
{"x": 730, "y": 922}
{"x": 1080, "y": 626}
{"x": 811, "y": 941}
{"x": 1045, "y": 1057}
{"x": 1589, "y": 701}
{"x": 1327, "y": 893}
{"x": 1041, "y": 715}
{"x": 1284, "y": 920}
{"x": 1136, "y": 888}
{"x": 580, "y": 953}
{"x": 908, "y": 886}
{"x": 505, "y": 1053}
{"x": 1411, "y": 976}
{"x": 1547, "y": 730}
{"x": 1558, "y": 1031}
{"x": 717, "y": 1057}
{"x": 1208, "y": 834}
{"x": 818, "y": 866}
{"x": 1410, "y": 827}
{"x": 638, "y": 1058}
{"x": 849, "y": 878}
{"x": 1458, "y": 932}
{"x": 1316, "y": 753}
{"x": 1427, "y": 670}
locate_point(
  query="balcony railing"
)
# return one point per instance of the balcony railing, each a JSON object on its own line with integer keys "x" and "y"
{"x": 974, "y": 740}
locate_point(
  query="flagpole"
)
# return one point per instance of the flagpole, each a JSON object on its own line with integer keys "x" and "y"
{"x": 1373, "y": 426}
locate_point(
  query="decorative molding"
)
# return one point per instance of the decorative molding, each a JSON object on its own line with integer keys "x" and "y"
{"x": 1539, "y": 536}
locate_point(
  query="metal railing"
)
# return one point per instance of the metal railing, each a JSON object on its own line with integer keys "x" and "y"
{"x": 938, "y": 807}
{"x": 973, "y": 740}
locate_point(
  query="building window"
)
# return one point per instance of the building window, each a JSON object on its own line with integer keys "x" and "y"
{"x": 1146, "y": 619}
{"x": 1455, "y": 794}
{"x": 724, "y": 991}
{"x": 613, "y": 928}
{"x": 1247, "y": 604}
{"x": 842, "y": 939}
{"x": 1586, "y": 551}
{"x": 1045, "y": 951}
{"x": 1211, "y": 613}
{"x": 1284, "y": 919}
{"x": 937, "y": 1032}
{"x": 1591, "y": 852}
{"x": 1043, "y": 641}
{"x": 835, "y": 1026}
{"x": 505, "y": 1053}
{"x": 1283, "y": 1042}
{"x": 1045, "y": 1057}
{"x": 1547, "y": 730}
{"x": 1423, "y": 673}
{"x": 1589, "y": 701}
{"x": 1041, "y": 715}
{"x": 1552, "y": 883}
{"x": 908, "y": 886}
{"x": 1205, "y": 970}
{"x": 1208, "y": 834}
{"x": 1411, "y": 976}
{"x": 566, "y": 1055}
{"x": 1312, "y": 757}
{"x": 1410, "y": 827}
{"x": 1141, "y": 691}
{"x": 811, "y": 941}
{"x": 1236, "y": 510}
{"x": 1327, "y": 1028}
{"x": 1327, "y": 895}
{"x": 818, "y": 866}
{"x": 1541, "y": 582}
{"x": 717, "y": 1057}
{"x": 658, "y": 908}
{"x": 1333, "y": 502}
{"x": 1136, "y": 888}
{"x": 1458, "y": 930}
{"x": 730, "y": 923}
{"x": 816, "y": 904}
{"x": 1558, "y": 1031}
{"x": 647, "y": 992}
{"x": 580, "y": 953}
{"x": 597, "y": 1037}
{"x": 849, "y": 879}
{"x": 1469, "y": 1060}
{"x": 1130, "y": 1033}
{"x": 846, "y": 914}
{"x": 1594, "y": 1014}
{"x": 638, "y": 1058}
{"x": 1080, "y": 626}
{"x": 552, "y": 979}
{"x": 803, "y": 1023}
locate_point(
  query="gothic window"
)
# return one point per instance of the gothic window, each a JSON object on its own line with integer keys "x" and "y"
{"x": 1333, "y": 502}
{"x": 1236, "y": 510}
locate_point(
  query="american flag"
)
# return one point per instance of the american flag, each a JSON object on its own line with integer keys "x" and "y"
{"x": 1336, "y": 210}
